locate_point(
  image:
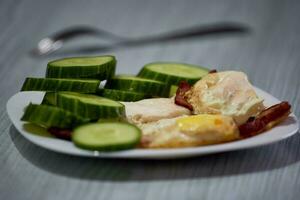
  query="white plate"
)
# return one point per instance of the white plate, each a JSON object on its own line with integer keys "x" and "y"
{"x": 17, "y": 103}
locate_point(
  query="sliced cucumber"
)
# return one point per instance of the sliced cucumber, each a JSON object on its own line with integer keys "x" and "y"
{"x": 49, "y": 98}
{"x": 56, "y": 84}
{"x": 137, "y": 84}
{"x": 172, "y": 73}
{"x": 106, "y": 136}
{"x": 50, "y": 116}
{"x": 120, "y": 95}
{"x": 90, "y": 106}
{"x": 98, "y": 67}
{"x": 173, "y": 90}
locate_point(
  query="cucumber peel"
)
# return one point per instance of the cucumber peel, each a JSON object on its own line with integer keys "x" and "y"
{"x": 56, "y": 84}
{"x": 51, "y": 116}
{"x": 121, "y": 95}
{"x": 49, "y": 98}
{"x": 90, "y": 106}
{"x": 139, "y": 85}
{"x": 97, "y": 67}
{"x": 172, "y": 73}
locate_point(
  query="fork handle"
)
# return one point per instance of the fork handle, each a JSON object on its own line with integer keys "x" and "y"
{"x": 78, "y": 31}
{"x": 200, "y": 31}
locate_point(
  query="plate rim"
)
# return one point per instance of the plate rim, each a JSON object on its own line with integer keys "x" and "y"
{"x": 153, "y": 153}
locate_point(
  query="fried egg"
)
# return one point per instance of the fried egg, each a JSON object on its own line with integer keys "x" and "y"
{"x": 226, "y": 93}
{"x": 151, "y": 110}
{"x": 189, "y": 131}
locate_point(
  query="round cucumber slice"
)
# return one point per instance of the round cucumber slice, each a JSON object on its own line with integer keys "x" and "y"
{"x": 120, "y": 95}
{"x": 50, "y": 116}
{"x": 56, "y": 84}
{"x": 137, "y": 84}
{"x": 90, "y": 106}
{"x": 98, "y": 67}
{"x": 172, "y": 73}
{"x": 106, "y": 136}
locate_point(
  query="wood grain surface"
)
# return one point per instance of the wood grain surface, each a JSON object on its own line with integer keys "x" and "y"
{"x": 270, "y": 55}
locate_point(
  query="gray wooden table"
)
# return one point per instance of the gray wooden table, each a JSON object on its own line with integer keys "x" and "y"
{"x": 270, "y": 55}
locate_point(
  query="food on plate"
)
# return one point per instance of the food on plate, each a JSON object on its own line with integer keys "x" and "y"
{"x": 167, "y": 105}
{"x": 173, "y": 90}
{"x": 180, "y": 98}
{"x": 89, "y": 106}
{"x": 108, "y": 136}
{"x": 97, "y": 67}
{"x": 189, "y": 131}
{"x": 57, "y": 84}
{"x": 265, "y": 120}
{"x": 172, "y": 73}
{"x": 137, "y": 84}
{"x": 49, "y": 98}
{"x": 62, "y": 133}
{"x": 51, "y": 116}
{"x": 151, "y": 110}
{"x": 122, "y": 95}
{"x": 228, "y": 93}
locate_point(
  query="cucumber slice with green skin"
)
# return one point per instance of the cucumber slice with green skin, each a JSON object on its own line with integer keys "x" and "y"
{"x": 90, "y": 106}
{"x": 137, "y": 84}
{"x": 56, "y": 84}
{"x": 172, "y": 73}
{"x": 49, "y": 98}
{"x": 97, "y": 67}
{"x": 51, "y": 116}
{"x": 120, "y": 95}
{"x": 106, "y": 136}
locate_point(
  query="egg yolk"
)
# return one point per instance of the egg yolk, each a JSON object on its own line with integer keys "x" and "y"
{"x": 198, "y": 122}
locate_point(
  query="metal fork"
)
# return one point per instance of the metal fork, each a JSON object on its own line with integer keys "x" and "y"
{"x": 56, "y": 41}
